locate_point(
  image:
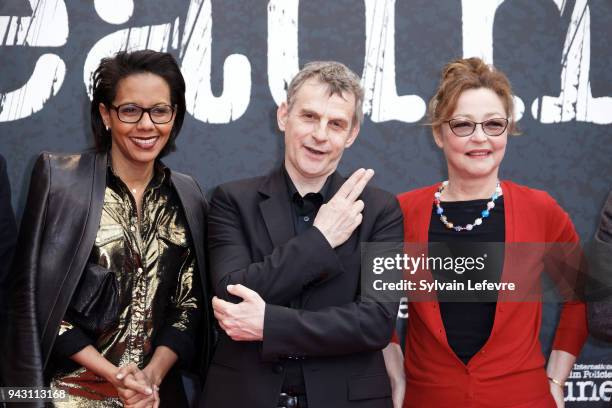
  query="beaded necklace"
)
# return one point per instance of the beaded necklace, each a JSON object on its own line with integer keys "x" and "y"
{"x": 468, "y": 227}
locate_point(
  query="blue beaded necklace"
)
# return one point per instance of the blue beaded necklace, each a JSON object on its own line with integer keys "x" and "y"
{"x": 468, "y": 227}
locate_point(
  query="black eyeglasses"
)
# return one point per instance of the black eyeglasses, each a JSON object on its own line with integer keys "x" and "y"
{"x": 131, "y": 113}
{"x": 465, "y": 127}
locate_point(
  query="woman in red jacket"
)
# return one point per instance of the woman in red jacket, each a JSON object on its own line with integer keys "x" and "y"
{"x": 487, "y": 353}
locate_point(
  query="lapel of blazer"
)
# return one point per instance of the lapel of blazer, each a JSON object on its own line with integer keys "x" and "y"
{"x": 275, "y": 207}
{"x": 510, "y": 261}
{"x": 416, "y": 230}
{"x": 192, "y": 198}
{"x": 92, "y": 178}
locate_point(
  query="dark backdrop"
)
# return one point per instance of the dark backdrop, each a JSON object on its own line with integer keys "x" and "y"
{"x": 555, "y": 53}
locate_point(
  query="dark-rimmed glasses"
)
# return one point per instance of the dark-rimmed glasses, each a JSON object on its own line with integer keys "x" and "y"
{"x": 132, "y": 113}
{"x": 465, "y": 127}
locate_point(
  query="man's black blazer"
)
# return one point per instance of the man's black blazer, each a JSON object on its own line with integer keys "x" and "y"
{"x": 337, "y": 335}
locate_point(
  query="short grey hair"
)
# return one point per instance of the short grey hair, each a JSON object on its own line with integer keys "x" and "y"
{"x": 338, "y": 78}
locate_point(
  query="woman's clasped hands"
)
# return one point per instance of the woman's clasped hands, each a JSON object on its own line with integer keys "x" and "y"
{"x": 136, "y": 387}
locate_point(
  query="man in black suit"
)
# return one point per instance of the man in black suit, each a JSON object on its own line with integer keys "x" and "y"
{"x": 296, "y": 331}
{"x": 8, "y": 238}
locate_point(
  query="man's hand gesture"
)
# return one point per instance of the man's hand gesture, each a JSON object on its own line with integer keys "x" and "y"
{"x": 338, "y": 218}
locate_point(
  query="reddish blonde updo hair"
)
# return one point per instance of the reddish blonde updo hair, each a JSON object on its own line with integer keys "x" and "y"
{"x": 469, "y": 73}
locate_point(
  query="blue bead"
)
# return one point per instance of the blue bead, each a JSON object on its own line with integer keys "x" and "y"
{"x": 439, "y": 211}
{"x": 494, "y": 197}
{"x": 485, "y": 213}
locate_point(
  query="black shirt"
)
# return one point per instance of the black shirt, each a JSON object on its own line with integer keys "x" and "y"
{"x": 305, "y": 210}
{"x": 468, "y": 324}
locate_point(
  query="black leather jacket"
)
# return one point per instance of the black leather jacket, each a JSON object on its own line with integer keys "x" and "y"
{"x": 58, "y": 230}
{"x": 8, "y": 237}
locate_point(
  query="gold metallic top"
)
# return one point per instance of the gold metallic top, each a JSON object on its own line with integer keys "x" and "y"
{"x": 154, "y": 263}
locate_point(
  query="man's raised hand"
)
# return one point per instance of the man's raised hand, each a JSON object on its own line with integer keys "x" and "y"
{"x": 338, "y": 218}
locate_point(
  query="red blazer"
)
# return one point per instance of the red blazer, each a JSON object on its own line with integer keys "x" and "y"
{"x": 509, "y": 369}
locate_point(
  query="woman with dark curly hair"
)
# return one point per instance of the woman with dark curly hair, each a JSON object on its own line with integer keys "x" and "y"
{"x": 110, "y": 296}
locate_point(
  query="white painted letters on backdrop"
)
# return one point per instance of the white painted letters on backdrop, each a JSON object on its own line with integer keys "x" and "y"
{"x": 195, "y": 54}
{"x": 381, "y": 100}
{"x": 48, "y": 27}
{"x": 575, "y": 100}
{"x": 477, "y": 19}
{"x": 155, "y": 37}
{"x": 283, "y": 61}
